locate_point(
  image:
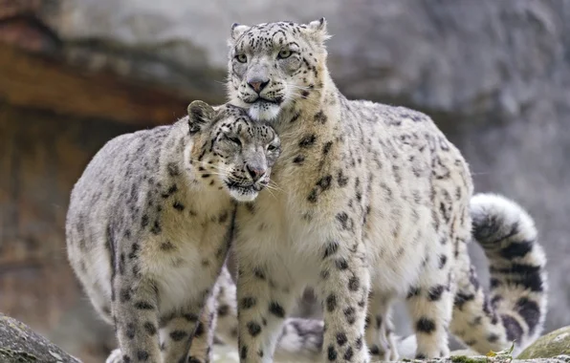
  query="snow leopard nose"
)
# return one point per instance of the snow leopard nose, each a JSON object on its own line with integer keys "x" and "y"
{"x": 255, "y": 172}
{"x": 258, "y": 84}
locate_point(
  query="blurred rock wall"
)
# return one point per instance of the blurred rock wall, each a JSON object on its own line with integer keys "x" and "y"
{"x": 495, "y": 75}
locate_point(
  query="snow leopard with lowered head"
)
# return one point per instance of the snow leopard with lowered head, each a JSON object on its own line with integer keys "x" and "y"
{"x": 150, "y": 223}
{"x": 372, "y": 204}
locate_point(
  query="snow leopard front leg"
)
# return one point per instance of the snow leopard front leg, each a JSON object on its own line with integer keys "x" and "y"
{"x": 203, "y": 337}
{"x": 135, "y": 308}
{"x": 344, "y": 285}
{"x": 262, "y": 308}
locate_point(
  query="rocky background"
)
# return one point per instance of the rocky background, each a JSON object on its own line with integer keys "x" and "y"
{"x": 495, "y": 75}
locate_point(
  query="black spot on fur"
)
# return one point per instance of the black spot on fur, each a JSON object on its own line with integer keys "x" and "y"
{"x": 341, "y": 339}
{"x": 442, "y": 261}
{"x": 331, "y": 249}
{"x": 327, "y": 147}
{"x": 528, "y": 276}
{"x": 248, "y": 302}
{"x": 253, "y": 328}
{"x": 259, "y": 273}
{"x": 349, "y": 315}
{"x": 130, "y": 331}
{"x": 178, "y": 335}
{"x": 331, "y": 303}
{"x": 178, "y": 206}
{"x": 223, "y": 217}
{"x": 307, "y": 141}
{"x": 299, "y": 159}
{"x": 173, "y": 169}
{"x": 277, "y": 310}
{"x": 325, "y": 182}
{"x": 142, "y": 355}
{"x": 514, "y": 250}
{"x": 167, "y": 246}
{"x": 367, "y": 322}
{"x": 346, "y": 222}
{"x": 342, "y": 179}
{"x": 125, "y": 295}
{"x": 190, "y": 317}
{"x": 530, "y": 312}
{"x": 378, "y": 321}
{"x": 223, "y": 310}
{"x": 134, "y": 251}
{"x": 313, "y": 196}
{"x": 156, "y": 228}
{"x": 425, "y": 325}
{"x": 435, "y": 292}
{"x": 461, "y": 299}
{"x": 374, "y": 350}
{"x": 513, "y": 328}
{"x": 341, "y": 264}
{"x": 331, "y": 353}
{"x": 150, "y": 328}
{"x": 353, "y": 283}
{"x": 243, "y": 352}
{"x": 358, "y": 344}
{"x": 414, "y": 291}
{"x": 143, "y": 305}
{"x": 320, "y": 117}
{"x": 348, "y": 354}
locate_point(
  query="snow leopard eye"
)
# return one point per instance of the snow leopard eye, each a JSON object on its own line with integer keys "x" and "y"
{"x": 234, "y": 140}
{"x": 242, "y": 58}
{"x": 284, "y": 54}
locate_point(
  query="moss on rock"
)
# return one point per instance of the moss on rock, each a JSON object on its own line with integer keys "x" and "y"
{"x": 551, "y": 345}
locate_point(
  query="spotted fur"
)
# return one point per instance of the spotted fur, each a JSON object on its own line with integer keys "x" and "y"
{"x": 150, "y": 223}
{"x": 372, "y": 206}
{"x": 300, "y": 339}
{"x": 516, "y": 305}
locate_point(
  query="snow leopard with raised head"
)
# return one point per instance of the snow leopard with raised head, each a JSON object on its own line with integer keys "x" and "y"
{"x": 371, "y": 205}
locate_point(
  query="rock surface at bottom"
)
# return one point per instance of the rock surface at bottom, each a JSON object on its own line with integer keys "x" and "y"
{"x": 18, "y": 343}
{"x": 550, "y": 345}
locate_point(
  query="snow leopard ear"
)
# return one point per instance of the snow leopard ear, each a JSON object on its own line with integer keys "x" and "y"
{"x": 199, "y": 114}
{"x": 317, "y": 29}
{"x": 238, "y": 30}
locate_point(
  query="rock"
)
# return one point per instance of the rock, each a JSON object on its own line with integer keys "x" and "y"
{"x": 19, "y": 344}
{"x": 550, "y": 345}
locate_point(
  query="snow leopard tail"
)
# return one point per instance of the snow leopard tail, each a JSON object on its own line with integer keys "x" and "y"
{"x": 515, "y": 307}
{"x": 301, "y": 340}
